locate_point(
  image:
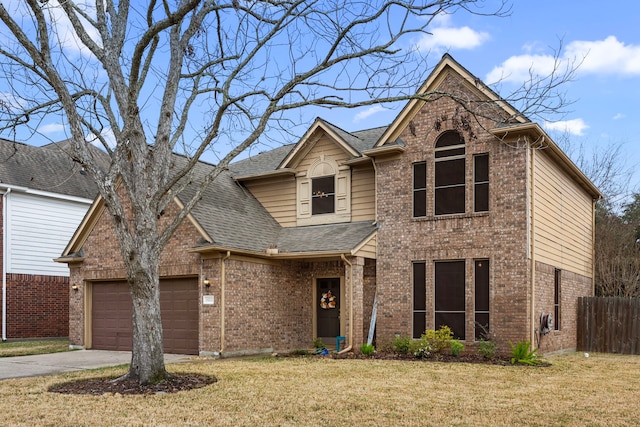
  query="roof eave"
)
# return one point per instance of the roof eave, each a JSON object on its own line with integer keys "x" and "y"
{"x": 534, "y": 130}
{"x": 202, "y": 250}
{"x": 270, "y": 174}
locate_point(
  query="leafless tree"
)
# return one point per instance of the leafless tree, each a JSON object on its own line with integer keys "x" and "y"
{"x": 193, "y": 76}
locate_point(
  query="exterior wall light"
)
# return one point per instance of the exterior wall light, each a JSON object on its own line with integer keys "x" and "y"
{"x": 74, "y": 287}
{"x": 206, "y": 282}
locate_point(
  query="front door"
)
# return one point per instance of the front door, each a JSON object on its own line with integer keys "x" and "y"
{"x": 328, "y": 309}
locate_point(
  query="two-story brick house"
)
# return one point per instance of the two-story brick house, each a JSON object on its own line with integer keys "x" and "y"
{"x": 446, "y": 216}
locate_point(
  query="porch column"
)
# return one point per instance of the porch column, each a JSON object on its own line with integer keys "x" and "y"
{"x": 355, "y": 289}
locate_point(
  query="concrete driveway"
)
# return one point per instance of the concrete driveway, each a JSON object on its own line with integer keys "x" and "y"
{"x": 56, "y": 363}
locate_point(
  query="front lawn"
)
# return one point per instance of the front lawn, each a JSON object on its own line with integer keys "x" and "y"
{"x": 573, "y": 390}
{"x": 28, "y": 347}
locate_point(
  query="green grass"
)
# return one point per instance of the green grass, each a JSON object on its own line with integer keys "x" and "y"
{"x": 29, "y": 347}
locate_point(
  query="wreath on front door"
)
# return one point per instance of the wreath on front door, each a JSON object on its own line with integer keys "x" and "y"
{"x": 328, "y": 300}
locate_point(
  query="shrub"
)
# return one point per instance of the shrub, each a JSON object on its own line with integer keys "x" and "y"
{"x": 487, "y": 349}
{"x": 439, "y": 340}
{"x": 317, "y": 343}
{"x": 521, "y": 353}
{"x": 456, "y": 347}
{"x": 422, "y": 348}
{"x": 402, "y": 344}
{"x": 367, "y": 349}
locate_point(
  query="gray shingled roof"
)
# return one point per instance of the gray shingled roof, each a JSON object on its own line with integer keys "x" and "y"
{"x": 263, "y": 162}
{"x": 230, "y": 214}
{"x": 324, "y": 238}
{"x": 235, "y": 219}
{"x": 270, "y": 160}
{"x": 48, "y": 168}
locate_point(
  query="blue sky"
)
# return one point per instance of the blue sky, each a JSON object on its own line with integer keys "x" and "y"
{"x": 605, "y": 91}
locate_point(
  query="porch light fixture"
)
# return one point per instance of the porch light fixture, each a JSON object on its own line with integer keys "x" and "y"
{"x": 206, "y": 282}
{"x": 74, "y": 287}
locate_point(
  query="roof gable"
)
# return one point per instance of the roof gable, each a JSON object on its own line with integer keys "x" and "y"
{"x": 345, "y": 140}
{"x": 445, "y": 67}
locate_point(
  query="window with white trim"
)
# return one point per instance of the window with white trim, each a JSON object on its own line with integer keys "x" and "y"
{"x": 324, "y": 193}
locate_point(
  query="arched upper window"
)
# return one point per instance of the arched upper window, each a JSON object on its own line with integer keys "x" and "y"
{"x": 449, "y": 173}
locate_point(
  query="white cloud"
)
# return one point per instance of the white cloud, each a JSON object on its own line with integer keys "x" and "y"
{"x": 10, "y": 102}
{"x": 573, "y": 127}
{"x": 368, "y": 112}
{"x": 65, "y": 31}
{"x": 608, "y": 56}
{"x": 521, "y": 68}
{"x": 619, "y": 116}
{"x": 443, "y": 36}
{"x": 51, "y": 128}
{"x": 108, "y": 136}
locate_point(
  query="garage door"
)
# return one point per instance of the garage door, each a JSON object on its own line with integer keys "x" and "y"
{"x": 111, "y": 316}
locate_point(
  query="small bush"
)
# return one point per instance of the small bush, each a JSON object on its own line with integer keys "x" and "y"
{"x": 422, "y": 348}
{"x": 456, "y": 347}
{"x": 367, "y": 349}
{"x": 317, "y": 343}
{"x": 487, "y": 349}
{"x": 521, "y": 353}
{"x": 439, "y": 339}
{"x": 402, "y": 344}
{"x": 300, "y": 352}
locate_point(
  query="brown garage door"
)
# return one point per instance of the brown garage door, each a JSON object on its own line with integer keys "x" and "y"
{"x": 111, "y": 316}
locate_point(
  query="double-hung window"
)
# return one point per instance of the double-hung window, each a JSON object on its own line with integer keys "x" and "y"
{"x": 481, "y": 183}
{"x": 323, "y": 195}
{"x": 419, "y": 189}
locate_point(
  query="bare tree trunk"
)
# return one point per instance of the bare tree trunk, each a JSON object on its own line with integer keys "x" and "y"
{"x": 147, "y": 358}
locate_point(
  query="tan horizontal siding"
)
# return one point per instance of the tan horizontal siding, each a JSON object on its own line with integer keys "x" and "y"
{"x": 278, "y": 196}
{"x": 369, "y": 250}
{"x": 363, "y": 195}
{"x": 324, "y": 147}
{"x": 563, "y": 221}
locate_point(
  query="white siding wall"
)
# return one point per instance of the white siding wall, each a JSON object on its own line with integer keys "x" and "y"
{"x": 38, "y": 230}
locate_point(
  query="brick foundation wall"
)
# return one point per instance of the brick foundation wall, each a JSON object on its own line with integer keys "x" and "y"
{"x": 37, "y": 306}
{"x": 572, "y": 286}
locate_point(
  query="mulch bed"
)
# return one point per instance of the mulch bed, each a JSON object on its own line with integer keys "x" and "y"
{"x": 100, "y": 386}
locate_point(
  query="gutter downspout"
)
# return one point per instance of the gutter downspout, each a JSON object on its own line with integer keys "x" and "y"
{"x": 5, "y": 221}
{"x": 223, "y": 280}
{"x": 350, "y": 346}
{"x": 533, "y": 251}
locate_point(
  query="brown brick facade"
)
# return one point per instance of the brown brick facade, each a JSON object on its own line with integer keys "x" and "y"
{"x": 498, "y": 235}
{"x": 572, "y": 286}
{"x": 268, "y": 305}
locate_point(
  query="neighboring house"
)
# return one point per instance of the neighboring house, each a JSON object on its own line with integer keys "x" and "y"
{"x": 442, "y": 217}
{"x": 44, "y": 197}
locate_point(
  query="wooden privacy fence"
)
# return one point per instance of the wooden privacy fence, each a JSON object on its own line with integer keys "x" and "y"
{"x": 609, "y": 325}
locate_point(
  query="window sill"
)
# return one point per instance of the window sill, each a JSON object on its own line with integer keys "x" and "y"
{"x": 451, "y": 216}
